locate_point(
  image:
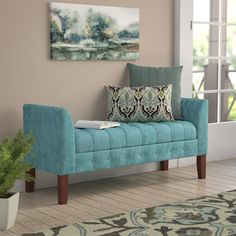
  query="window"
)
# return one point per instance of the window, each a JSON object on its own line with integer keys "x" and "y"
{"x": 214, "y": 57}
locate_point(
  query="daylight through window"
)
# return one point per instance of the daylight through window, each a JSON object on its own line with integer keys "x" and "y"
{"x": 214, "y": 57}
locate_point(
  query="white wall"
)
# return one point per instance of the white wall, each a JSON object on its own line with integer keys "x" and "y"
{"x": 183, "y": 43}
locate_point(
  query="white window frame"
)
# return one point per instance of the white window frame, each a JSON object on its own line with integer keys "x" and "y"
{"x": 184, "y": 48}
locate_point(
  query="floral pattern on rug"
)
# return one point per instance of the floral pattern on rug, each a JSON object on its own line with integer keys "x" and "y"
{"x": 203, "y": 216}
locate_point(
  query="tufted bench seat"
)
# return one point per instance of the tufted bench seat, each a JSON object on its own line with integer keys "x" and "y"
{"x": 133, "y": 143}
{"x": 63, "y": 149}
{"x": 133, "y": 134}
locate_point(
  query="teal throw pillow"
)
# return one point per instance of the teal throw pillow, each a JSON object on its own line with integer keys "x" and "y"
{"x": 139, "y": 104}
{"x": 152, "y": 76}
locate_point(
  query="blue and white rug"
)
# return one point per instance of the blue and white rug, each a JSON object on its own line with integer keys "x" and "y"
{"x": 203, "y": 216}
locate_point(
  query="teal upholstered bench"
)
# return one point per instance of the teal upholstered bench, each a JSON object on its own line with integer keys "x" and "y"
{"x": 62, "y": 149}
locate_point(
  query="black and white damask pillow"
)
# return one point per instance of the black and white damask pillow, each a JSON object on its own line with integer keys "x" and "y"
{"x": 139, "y": 104}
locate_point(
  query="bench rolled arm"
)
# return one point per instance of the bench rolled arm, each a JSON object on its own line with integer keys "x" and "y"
{"x": 196, "y": 111}
{"x": 52, "y": 127}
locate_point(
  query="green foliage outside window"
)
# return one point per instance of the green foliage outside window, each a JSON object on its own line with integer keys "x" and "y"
{"x": 201, "y": 49}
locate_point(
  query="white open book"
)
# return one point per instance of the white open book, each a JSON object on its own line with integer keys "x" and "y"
{"x": 95, "y": 124}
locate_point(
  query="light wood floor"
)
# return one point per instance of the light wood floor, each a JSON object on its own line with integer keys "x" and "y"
{"x": 39, "y": 210}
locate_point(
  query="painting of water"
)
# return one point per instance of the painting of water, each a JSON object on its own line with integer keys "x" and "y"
{"x": 90, "y": 32}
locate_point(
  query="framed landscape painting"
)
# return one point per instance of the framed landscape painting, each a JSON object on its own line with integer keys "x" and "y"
{"x": 89, "y": 32}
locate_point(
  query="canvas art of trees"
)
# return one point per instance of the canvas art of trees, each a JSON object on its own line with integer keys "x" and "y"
{"x": 91, "y": 35}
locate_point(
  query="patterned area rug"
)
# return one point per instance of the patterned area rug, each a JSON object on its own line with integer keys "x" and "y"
{"x": 204, "y": 216}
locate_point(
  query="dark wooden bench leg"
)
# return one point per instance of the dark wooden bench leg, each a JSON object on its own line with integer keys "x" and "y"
{"x": 164, "y": 165}
{"x": 62, "y": 188}
{"x": 29, "y": 185}
{"x": 201, "y": 166}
